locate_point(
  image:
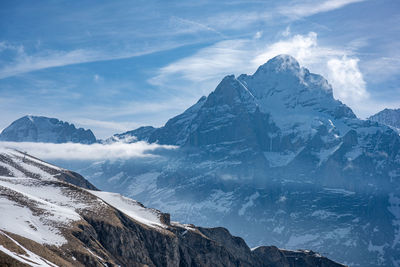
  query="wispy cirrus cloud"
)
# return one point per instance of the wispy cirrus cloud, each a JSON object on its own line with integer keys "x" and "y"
{"x": 209, "y": 63}
{"x": 172, "y": 28}
{"x": 278, "y": 11}
{"x": 339, "y": 66}
{"x": 302, "y": 9}
{"x": 24, "y": 62}
{"x": 190, "y": 26}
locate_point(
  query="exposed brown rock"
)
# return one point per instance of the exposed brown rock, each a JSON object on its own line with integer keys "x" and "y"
{"x": 106, "y": 236}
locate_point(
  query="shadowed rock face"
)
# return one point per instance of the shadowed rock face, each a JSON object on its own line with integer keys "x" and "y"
{"x": 267, "y": 155}
{"x": 103, "y": 232}
{"x": 47, "y": 130}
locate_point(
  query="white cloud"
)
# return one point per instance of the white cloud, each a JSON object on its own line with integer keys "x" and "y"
{"x": 23, "y": 62}
{"x": 173, "y": 28}
{"x": 72, "y": 151}
{"x": 308, "y": 8}
{"x": 346, "y": 75}
{"x": 209, "y": 63}
{"x": 302, "y": 47}
{"x": 295, "y": 10}
{"x": 235, "y": 20}
{"x": 338, "y": 65}
{"x": 190, "y": 26}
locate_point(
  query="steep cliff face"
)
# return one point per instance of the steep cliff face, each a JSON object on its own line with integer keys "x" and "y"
{"x": 268, "y": 154}
{"x": 53, "y": 217}
{"x": 47, "y": 130}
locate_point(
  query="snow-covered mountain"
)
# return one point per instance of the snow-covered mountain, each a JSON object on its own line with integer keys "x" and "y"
{"x": 43, "y": 129}
{"x": 389, "y": 117}
{"x": 54, "y": 217}
{"x": 276, "y": 159}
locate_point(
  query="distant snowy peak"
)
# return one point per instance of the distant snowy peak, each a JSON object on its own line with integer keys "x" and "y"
{"x": 280, "y": 94}
{"x": 280, "y": 63}
{"x": 389, "y": 117}
{"x": 282, "y": 85}
{"x": 48, "y": 130}
{"x": 284, "y": 73}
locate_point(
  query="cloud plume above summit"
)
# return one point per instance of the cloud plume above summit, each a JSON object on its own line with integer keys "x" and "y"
{"x": 339, "y": 66}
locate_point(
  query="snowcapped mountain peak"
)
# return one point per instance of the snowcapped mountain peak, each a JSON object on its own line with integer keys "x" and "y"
{"x": 43, "y": 129}
{"x": 282, "y": 86}
{"x": 280, "y": 63}
{"x": 278, "y": 150}
{"x": 284, "y": 76}
{"x": 230, "y": 91}
{"x": 280, "y": 93}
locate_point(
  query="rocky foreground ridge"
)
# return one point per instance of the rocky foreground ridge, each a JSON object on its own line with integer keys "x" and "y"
{"x": 54, "y": 217}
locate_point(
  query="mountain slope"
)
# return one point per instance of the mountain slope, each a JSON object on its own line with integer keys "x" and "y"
{"x": 389, "y": 117}
{"x": 48, "y": 130}
{"x": 269, "y": 154}
{"x": 49, "y": 222}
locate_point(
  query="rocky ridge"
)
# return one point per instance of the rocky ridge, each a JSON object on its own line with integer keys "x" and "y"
{"x": 47, "y": 130}
{"x": 389, "y": 117}
{"x": 53, "y": 217}
{"x": 267, "y": 155}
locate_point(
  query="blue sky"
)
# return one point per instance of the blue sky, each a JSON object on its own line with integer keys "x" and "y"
{"x": 112, "y": 66}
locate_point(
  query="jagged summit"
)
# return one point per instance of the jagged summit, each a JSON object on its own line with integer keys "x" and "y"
{"x": 275, "y": 153}
{"x": 389, "y": 117}
{"x": 43, "y": 129}
{"x": 280, "y": 63}
{"x": 281, "y": 84}
{"x": 230, "y": 91}
{"x": 280, "y": 93}
{"x": 284, "y": 75}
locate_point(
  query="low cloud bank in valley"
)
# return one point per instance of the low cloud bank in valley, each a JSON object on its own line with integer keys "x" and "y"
{"x": 73, "y": 151}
